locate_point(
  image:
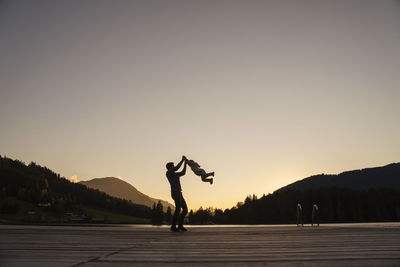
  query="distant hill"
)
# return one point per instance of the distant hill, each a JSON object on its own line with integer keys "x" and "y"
{"x": 118, "y": 188}
{"x": 379, "y": 177}
{"x": 35, "y": 194}
{"x": 366, "y": 195}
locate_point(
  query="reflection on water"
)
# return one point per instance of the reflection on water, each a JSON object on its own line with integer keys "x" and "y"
{"x": 230, "y": 227}
{"x": 365, "y": 225}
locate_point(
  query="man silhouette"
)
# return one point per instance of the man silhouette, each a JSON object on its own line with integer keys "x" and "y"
{"x": 176, "y": 193}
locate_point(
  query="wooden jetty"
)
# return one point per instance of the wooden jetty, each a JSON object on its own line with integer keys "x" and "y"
{"x": 327, "y": 245}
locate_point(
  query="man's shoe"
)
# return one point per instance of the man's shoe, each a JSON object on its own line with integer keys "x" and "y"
{"x": 174, "y": 229}
{"x": 183, "y": 229}
{"x": 212, "y": 181}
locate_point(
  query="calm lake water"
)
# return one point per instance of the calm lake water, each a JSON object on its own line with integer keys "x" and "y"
{"x": 145, "y": 227}
{"x": 367, "y": 225}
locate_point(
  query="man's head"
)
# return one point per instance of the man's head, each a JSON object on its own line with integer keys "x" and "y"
{"x": 170, "y": 165}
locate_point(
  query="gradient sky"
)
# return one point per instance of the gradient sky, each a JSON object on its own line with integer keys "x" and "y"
{"x": 262, "y": 92}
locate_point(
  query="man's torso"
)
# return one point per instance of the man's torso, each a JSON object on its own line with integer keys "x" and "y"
{"x": 174, "y": 181}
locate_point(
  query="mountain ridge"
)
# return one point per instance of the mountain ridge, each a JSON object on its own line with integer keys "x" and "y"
{"x": 119, "y": 188}
{"x": 360, "y": 179}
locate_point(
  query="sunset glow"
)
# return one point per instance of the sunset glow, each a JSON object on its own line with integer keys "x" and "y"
{"x": 262, "y": 92}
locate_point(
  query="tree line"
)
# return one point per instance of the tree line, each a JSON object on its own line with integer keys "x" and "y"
{"x": 336, "y": 205}
{"x": 36, "y": 184}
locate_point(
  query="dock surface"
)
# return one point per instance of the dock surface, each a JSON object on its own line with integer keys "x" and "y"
{"x": 327, "y": 245}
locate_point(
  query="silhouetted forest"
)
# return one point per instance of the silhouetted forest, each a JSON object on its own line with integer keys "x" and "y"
{"x": 367, "y": 195}
{"x": 39, "y": 185}
{"x": 336, "y": 205}
{"x": 159, "y": 216}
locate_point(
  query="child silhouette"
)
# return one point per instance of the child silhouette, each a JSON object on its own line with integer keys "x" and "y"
{"x": 199, "y": 171}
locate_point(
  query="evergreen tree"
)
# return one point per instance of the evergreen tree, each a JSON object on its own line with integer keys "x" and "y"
{"x": 157, "y": 214}
{"x": 168, "y": 216}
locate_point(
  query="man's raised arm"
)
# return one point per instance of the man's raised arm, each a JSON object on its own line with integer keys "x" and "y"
{"x": 184, "y": 169}
{"x": 180, "y": 164}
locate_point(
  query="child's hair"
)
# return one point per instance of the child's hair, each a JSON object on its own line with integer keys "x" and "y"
{"x": 170, "y": 165}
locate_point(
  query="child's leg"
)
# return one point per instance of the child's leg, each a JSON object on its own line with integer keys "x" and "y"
{"x": 210, "y": 180}
{"x": 209, "y": 174}
{"x": 204, "y": 176}
{"x": 199, "y": 172}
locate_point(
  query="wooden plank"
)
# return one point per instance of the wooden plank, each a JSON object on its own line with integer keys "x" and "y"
{"x": 334, "y": 245}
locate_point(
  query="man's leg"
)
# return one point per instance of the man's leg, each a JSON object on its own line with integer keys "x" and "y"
{"x": 177, "y": 199}
{"x": 183, "y": 214}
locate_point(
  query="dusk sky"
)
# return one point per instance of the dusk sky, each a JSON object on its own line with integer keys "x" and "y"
{"x": 262, "y": 92}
